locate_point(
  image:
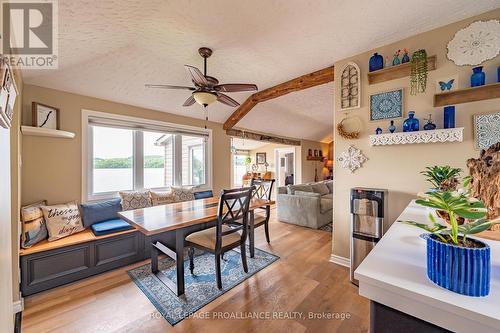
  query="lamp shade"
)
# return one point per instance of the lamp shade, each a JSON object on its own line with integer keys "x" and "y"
{"x": 204, "y": 98}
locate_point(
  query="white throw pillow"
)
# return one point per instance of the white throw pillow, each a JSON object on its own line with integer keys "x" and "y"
{"x": 182, "y": 193}
{"x": 62, "y": 220}
{"x": 162, "y": 198}
{"x": 135, "y": 199}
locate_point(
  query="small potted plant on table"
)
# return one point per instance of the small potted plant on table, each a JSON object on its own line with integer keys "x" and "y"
{"x": 455, "y": 261}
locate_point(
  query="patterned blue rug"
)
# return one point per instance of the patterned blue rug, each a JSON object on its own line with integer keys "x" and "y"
{"x": 200, "y": 288}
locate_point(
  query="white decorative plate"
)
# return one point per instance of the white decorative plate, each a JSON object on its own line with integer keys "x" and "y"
{"x": 475, "y": 44}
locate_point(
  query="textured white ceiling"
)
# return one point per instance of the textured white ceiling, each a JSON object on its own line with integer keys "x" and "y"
{"x": 110, "y": 48}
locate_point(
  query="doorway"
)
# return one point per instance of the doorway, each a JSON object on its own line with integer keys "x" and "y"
{"x": 285, "y": 166}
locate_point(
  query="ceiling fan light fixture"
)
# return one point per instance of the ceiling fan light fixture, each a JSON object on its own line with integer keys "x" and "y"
{"x": 204, "y": 97}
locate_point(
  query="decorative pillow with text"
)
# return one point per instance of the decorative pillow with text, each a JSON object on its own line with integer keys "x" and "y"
{"x": 162, "y": 198}
{"x": 62, "y": 220}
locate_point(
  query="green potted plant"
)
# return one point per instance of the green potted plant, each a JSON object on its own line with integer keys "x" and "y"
{"x": 455, "y": 261}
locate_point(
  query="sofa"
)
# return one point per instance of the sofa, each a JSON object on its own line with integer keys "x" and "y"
{"x": 308, "y": 205}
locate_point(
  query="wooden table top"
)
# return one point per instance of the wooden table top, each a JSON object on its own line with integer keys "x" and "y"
{"x": 158, "y": 219}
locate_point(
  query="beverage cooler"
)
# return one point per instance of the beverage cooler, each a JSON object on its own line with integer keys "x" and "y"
{"x": 368, "y": 211}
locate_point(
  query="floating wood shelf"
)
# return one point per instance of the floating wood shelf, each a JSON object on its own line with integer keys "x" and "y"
{"x": 467, "y": 95}
{"x": 402, "y": 138}
{"x": 397, "y": 72}
{"x": 315, "y": 158}
{"x": 48, "y": 132}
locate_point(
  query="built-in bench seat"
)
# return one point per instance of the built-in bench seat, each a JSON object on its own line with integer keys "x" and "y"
{"x": 48, "y": 265}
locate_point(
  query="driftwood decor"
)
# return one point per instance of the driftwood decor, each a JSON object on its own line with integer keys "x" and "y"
{"x": 485, "y": 182}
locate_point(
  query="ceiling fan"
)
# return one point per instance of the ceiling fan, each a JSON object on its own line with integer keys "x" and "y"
{"x": 206, "y": 88}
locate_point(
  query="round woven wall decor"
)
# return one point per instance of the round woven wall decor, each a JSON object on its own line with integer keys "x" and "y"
{"x": 348, "y": 135}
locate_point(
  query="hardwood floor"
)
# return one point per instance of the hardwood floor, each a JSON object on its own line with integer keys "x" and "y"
{"x": 303, "y": 281}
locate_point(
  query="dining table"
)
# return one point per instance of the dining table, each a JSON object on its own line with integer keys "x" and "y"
{"x": 166, "y": 226}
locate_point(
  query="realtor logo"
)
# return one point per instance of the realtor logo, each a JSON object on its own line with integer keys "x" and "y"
{"x": 29, "y": 34}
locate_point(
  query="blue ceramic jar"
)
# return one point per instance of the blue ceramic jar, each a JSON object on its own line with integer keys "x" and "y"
{"x": 459, "y": 269}
{"x": 478, "y": 77}
{"x": 411, "y": 124}
{"x": 376, "y": 62}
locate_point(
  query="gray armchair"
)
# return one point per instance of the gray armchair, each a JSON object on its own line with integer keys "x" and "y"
{"x": 308, "y": 205}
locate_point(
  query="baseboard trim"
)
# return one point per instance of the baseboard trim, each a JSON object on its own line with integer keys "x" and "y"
{"x": 342, "y": 261}
{"x": 18, "y": 306}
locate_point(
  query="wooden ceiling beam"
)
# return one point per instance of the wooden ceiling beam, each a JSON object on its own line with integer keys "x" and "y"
{"x": 262, "y": 137}
{"x": 313, "y": 79}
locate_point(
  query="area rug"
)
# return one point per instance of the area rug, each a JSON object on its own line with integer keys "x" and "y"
{"x": 200, "y": 288}
{"x": 327, "y": 227}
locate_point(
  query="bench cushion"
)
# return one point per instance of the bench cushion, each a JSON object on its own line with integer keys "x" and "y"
{"x": 100, "y": 211}
{"x": 110, "y": 226}
{"x": 203, "y": 195}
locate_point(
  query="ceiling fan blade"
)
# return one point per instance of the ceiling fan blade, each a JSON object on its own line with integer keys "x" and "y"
{"x": 225, "y": 99}
{"x": 167, "y": 86}
{"x": 197, "y": 76}
{"x": 190, "y": 101}
{"x": 235, "y": 87}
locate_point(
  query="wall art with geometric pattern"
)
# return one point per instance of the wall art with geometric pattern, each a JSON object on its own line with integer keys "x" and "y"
{"x": 486, "y": 129}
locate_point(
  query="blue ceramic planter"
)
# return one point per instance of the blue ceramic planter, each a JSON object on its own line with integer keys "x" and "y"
{"x": 376, "y": 62}
{"x": 462, "y": 270}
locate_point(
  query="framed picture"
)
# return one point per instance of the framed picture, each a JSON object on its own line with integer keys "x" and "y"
{"x": 261, "y": 158}
{"x": 387, "y": 105}
{"x": 486, "y": 129}
{"x": 446, "y": 84}
{"x": 45, "y": 116}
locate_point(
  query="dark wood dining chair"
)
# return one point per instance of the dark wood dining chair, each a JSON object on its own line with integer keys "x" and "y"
{"x": 227, "y": 234}
{"x": 263, "y": 190}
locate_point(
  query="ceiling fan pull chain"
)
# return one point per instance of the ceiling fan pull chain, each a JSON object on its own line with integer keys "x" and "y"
{"x": 206, "y": 115}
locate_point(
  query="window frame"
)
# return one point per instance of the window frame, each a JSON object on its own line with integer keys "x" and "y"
{"x": 138, "y": 148}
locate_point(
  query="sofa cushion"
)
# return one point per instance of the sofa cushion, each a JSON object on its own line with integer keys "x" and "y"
{"x": 203, "y": 195}
{"x": 34, "y": 229}
{"x": 109, "y": 227}
{"x": 329, "y": 184}
{"x": 135, "y": 199}
{"x": 162, "y": 198}
{"x": 62, "y": 220}
{"x": 328, "y": 196}
{"x": 320, "y": 188}
{"x": 325, "y": 205}
{"x": 182, "y": 193}
{"x": 300, "y": 187}
{"x": 95, "y": 212}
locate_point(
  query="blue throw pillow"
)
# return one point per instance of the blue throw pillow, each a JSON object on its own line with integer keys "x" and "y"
{"x": 100, "y": 211}
{"x": 203, "y": 195}
{"x": 109, "y": 227}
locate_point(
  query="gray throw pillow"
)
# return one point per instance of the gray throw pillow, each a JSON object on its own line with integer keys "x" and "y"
{"x": 329, "y": 184}
{"x": 320, "y": 188}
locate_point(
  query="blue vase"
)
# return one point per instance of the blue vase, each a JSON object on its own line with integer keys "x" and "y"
{"x": 406, "y": 58}
{"x": 396, "y": 61}
{"x": 411, "y": 124}
{"x": 378, "y": 130}
{"x": 376, "y": 62}
{"x": 449, "y": 116}
{"x": 478, "y": 77}
{"x": 429, "y": 126}
{"x": 462, "y": 270}
{"x": 498, "y": 74}
{"x": 392, "y": 128}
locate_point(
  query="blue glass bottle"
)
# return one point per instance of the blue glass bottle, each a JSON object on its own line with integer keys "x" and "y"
{"x": 411, "y": 124}
{"x": 429, "y": 126}
{"x": 392, "y": 128}
{"x": 449, "y": 116}
{"x": 478, "y": 77}
{"x": 378, "y": 130}
{"x": 498, "y": 74}
{"x": 376, "y": 62}
{"x": 406, "y": 58}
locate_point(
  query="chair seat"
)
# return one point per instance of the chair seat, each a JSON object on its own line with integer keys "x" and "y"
{"x": 207, "y": 237}
{"x": 259, "y": 219}
{"x": 109, "y": 227}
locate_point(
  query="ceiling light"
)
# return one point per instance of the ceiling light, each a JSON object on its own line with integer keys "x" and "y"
{"x": 204, "y": 98}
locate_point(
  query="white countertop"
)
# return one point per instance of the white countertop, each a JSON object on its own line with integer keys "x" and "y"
{"x": 394, "y": 274}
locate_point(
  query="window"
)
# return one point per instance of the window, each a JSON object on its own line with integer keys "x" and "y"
{"x": 240, "y": 169}
{"x": 133, "y": 154}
